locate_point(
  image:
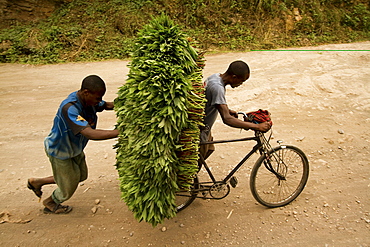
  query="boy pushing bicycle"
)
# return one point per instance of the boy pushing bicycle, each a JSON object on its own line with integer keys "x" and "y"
{"x": 215, "y": 85}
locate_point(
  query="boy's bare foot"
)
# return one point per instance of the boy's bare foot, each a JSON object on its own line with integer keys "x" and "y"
{"x": 36, "y": 188}
{"x": 35, "y": 184}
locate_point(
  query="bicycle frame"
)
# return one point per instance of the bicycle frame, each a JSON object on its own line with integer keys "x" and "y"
{"x": 288, "y": 163}
{"x": 257, "y": 147}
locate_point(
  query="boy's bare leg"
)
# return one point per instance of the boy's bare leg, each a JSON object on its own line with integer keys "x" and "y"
{"x": 49, "y": 203}
{"x": 51, "y": 207}
{"x": 35, "y": 184}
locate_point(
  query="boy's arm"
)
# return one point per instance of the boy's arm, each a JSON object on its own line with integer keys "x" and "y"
{"x": 109, "y": 106}
{"x": 233, "y": 113}
{"x": 98, "y": 134}
{"x": 237, "y": 123}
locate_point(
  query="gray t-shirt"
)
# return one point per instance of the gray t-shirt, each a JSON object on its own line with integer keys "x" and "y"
{"x": 215, "y": 95}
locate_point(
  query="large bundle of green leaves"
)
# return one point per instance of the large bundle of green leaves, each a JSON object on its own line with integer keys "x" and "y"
{"x": 159, "y": 110}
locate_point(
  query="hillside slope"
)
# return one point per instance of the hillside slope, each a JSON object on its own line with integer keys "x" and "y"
{"x": 76, "y": 30}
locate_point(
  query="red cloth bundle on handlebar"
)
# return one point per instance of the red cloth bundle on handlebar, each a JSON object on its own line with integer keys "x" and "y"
{"x": 259, "y": 116}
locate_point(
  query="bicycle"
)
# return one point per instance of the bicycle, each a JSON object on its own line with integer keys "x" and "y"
{"x": 277, "y": 178}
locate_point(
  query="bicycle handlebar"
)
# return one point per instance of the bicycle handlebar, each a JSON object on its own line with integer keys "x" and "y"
{"x": 246, "y": 119}
{"x": 244, "y": 114}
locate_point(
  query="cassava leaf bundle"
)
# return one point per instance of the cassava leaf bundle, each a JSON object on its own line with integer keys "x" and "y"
{"x": 159, "y": 110}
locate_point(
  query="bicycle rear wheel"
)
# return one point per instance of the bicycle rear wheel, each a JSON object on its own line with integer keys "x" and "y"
{"x": 279, "y": 176}
{"x": 185, "y": 197}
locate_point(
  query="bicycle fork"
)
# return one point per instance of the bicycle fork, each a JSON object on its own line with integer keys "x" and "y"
{"x": 280, "y": 166}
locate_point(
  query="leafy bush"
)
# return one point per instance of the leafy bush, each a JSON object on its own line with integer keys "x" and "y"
{"x": 358, "y": 18}
{"x": 99, "y": 29}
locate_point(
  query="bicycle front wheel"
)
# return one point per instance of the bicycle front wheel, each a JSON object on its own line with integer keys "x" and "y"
{"x": 279, "y": 176}
{"x": 185, "y": 197}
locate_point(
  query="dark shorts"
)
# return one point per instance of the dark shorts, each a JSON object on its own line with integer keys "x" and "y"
{"x": 206, "y": 149}
{"x": 67, "y": 175}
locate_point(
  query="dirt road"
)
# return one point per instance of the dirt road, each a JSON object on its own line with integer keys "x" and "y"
{"x": 319, "y": 99}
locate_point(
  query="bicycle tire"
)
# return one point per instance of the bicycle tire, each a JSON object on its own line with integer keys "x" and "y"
{"x": 185, "y": 197}
{"x": 270, "y": 190}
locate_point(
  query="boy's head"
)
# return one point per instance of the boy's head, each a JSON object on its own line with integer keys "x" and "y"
{"x": 239, "y": 73}
{"x": 93, "y": 83}
{"x": 93, "y": 90}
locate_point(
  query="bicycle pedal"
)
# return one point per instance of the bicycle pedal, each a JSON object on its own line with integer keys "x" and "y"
{"x": 205, "y": 194}
{"x": 233, "y": 181}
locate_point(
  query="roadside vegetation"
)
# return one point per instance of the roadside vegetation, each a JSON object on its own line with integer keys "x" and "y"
{"x": 95, "y": 30}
